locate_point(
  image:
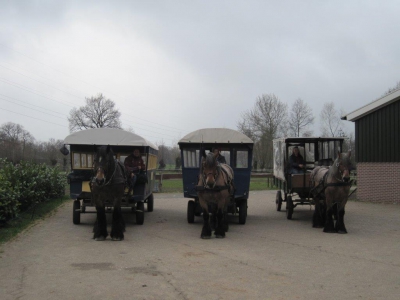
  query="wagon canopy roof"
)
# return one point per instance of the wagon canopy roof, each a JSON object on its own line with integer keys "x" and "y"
{"x": 107, "y": 136}
{"x": 216, "y": 135}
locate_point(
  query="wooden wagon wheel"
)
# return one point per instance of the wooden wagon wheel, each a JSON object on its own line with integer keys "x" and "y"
{"x": 278, "y": 200}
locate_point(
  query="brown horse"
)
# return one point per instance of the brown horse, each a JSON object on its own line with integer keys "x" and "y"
{"x": 331, "y": 185}
{"x": 108, "y": 184}
{"x": 215, "y": 189}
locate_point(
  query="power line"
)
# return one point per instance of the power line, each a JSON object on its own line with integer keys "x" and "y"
{"x": 1, "y": 95}
{"x": 1, "y": 44}
{"x": 29, "y": 107}
{"x": 32, "y": 117}
{"x": 31, "y": 91}
{"x": 41, "y": 82}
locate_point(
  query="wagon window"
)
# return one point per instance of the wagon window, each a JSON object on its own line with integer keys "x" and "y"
{"x": 309, "y": 152}
{"x": 82, "y": 160}
{"x": 227, "y": 155}
{"x": 242, "y": 159}
{"x": 191, "y": 158}
{"x": 324, "y": 150}
{"x": 89, "y": 160}
{"x": 152, "y": 162}
{"x": 77, "y": 160}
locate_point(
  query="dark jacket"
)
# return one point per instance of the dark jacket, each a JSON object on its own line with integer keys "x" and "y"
{"x": 133, "y": 163}
{"x": 295, "y": 161}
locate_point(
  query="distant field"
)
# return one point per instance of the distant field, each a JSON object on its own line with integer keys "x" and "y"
{"x": 176, "y": 185}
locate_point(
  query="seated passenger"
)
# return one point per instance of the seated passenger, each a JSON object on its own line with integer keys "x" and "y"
{"x": 220, "y": 158}
{"x": 133, "y": 165}
{"x": 296, "y": 162}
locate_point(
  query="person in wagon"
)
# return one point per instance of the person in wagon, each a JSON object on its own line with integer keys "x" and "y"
{"x": 220, "y": 158}
{"x": 296, "y": 162}
{"x": 133, "y": 165}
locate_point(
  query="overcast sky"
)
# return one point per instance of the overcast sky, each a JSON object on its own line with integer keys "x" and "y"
{"x": 173, "y": 67}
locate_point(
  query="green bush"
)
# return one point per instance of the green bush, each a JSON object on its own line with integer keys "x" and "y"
{"x": 25, "y": 184}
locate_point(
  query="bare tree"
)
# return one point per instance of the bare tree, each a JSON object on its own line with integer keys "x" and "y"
{"x": 330, "y": 120}
{"x": 301, "y": 117}
{"x": 14, "y": 140}
{"x": 97, "y": 113}
{"x": 263, "y": 123}
{"x": 393, "y": 89}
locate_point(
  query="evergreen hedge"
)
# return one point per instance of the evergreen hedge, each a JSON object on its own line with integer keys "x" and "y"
{"x": 26, "y": 184}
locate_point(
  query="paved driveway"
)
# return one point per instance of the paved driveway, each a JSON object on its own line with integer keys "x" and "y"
{"x": 268, "y": 258}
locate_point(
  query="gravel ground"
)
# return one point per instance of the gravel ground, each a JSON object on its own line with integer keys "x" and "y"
{"x": 269, "y": 257}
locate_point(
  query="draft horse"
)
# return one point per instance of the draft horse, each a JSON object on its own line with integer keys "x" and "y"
{"x": 108, "y": 184}
{"x": 331, "y": 186}
{"x": 215, "y": 189}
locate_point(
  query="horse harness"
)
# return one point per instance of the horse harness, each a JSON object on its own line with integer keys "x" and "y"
{"x": 322, "y": 185}
{"x": 95, "y": 181}
{"x": 216, "y": 188}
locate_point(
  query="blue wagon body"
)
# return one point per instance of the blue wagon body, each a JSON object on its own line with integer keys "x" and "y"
{"x": 237, "y": 149}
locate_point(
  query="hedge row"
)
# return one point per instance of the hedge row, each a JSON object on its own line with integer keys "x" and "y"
{"x": 25, "y": 184}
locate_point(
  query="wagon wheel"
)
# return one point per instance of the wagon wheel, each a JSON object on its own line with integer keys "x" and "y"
{"x": 76, "y": 214}
{"x": 289, "y": 208}
{"x": 139, "y": 213}
{"x": 191, "y": 211}
{"x": 243, "y": 212}
{"x": 278, "y": 200}
{"x": 150, "y": 203}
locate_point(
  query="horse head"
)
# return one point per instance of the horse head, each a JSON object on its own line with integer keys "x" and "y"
{"x": 209, "y": 169}
{"x": 344, "y": 166}
{"x": 103, "y": 162}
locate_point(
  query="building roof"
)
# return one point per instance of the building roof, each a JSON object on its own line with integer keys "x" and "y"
{"x": 216, "y": 135}
{"x": 107, "y": 136}
{"x": 373, "y": 106}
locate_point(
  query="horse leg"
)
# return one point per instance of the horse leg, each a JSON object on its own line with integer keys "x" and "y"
{"x": 318, "y": 219}
{"x": 213, "y": 220}
{"x": 329, "y": 226}
{"x": 339, "y": 226}
{"x": 220, "y": 229}
{"x": 225, "y": 221}
{"x": 118, "y": 225}
{"x": 100, "y": 226}
{"x": 206, "y": 231}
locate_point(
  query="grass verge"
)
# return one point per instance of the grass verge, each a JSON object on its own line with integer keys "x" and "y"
{"x": 29, "y": 217}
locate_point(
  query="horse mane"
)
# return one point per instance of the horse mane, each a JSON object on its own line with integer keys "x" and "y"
{"x": 210, "y": 160}
{"x": 104, "y": 151}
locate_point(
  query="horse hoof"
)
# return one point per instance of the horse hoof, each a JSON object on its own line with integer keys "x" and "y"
{"x": 206, "y": 237}
{"x": 220, "y": 236}
{"x": 100, "y": 238}
{"x": 117, "y": 239}
{"x": 318, "y": 226}
{"x": 342, "y": 231}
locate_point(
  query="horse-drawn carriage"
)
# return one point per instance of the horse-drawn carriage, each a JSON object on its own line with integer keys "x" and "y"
{"x": 83, "y": 147}
{"x": 237, "y": 149}
{"x": 297, "y": 189}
